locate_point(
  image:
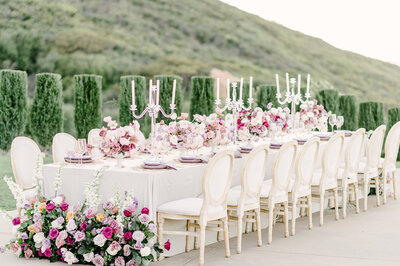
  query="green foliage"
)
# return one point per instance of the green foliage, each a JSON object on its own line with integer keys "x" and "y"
{"x": 267, "y": 94}
{"x": 13, "y": 105}
{"x": 46, "y": 110}
{"x": 348, "y": 109}
{"x": 202, "y": 99}
{"x": 166, "y": 83}
{"x": 329, "y": 99}
{"x": 371, "y": 115}
{"x": 393, "y": 118}
{"x": 125, "y": 100}
{"x": 87, "y": 103}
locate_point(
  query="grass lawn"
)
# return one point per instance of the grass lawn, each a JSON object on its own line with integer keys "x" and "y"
{"x": 7, "y": 201}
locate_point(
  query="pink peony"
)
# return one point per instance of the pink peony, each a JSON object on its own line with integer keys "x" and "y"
{"x": 119, "y": 261}
{"x": 113, "y": 248}
{"x": 50, "y": 207}
{"x": 53, "y": 233}
{"x": 127, "y": 213}
{"x": 131, "y": 263}
{"x": 131, "y": 208}
{"x": 28, "y": 253}
{"x": 167, "y": 245}
{"x": 144, "y": 218}
{"x": 16, "y": 221}
{"x": 145, "y": 211}
{"x": 98, "y": 260}
{"x": 107, "y": 232}
{"x": 64, "y": 206}
{"x": 14, "y": 247}
{"x": 128, "y": 236}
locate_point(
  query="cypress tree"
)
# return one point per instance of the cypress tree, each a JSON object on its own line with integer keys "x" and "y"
{"x": 202, "y": 98}
{"x": 125, "y": 101}
{"x": 13, "y": 105}
{"x": 267, "y": 94}
{"x": 348, "y": 109}
{"x": 393, "y": 118}
{"x": 166, "y": 83}
{"x": 329, "y": 99}
{"x": 46, "y": 111}
{"x": 87, "y": 102}
{"x": 371, "y": 115}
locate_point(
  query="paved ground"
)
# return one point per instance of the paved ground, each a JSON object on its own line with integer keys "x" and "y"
{"x": 368, "y": 238}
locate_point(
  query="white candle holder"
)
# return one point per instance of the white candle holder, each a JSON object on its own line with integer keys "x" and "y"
{"x": 153, "y": 109}
{"x": 235, "y": 106}
{"x": 292, "y": 97}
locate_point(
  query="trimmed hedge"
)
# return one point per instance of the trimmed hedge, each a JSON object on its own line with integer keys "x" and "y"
{"x": 348, "y": 109}
{"x": 166, "y": 83}
{"x": 125, "y": 100}
{"x": 202, "y": 98}
{"x": 87, "y": 103}
{"x": 393, "y": 118}
{"x": 329, "y": 99}
{"x": 266, "y": 94}
{"x": 46, "y": 111}
{"x": 371, "y": 115}
{"x": 13, "y": 105}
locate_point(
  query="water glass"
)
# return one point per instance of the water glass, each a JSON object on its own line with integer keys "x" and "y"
{"x": 339, "y": 122}
{"x": 332, "y": 120}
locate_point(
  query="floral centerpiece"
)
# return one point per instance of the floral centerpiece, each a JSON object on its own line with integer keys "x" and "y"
{"x": 214, "y": 130}
{"x": 277, "y": 118}
{"x": 252, "y": 123}
{"x": 114, "y": 140}
{"x": 117, "y": 235}
{"x": 313, "y": 115}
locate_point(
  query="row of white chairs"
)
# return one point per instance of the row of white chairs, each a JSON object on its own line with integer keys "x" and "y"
{"x": 295, "y": 182}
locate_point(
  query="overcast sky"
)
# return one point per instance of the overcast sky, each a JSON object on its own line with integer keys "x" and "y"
{"x": 367, "y": 27}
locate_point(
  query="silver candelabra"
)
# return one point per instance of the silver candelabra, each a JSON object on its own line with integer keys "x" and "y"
{"x": 292, "y": 97}
{"x": 153, "y": 108}
{"x": 234, "y": 105}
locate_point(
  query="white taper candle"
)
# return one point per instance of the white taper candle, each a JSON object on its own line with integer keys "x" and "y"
{"x": 287, "y": 82}
{"x": 298, "y": 84}
{"x": 227, "y": 89}
{"x": 251, "y": 88}
{"x": 133, "y": 92}
{"x": 151, "y": 92}
{"x": 217, "y": 88}
{"x": 173, "y": 92}
{"x": 308, "y": 83}
{"x": 158, "y": 92}
{"x": 277, "y": 83}
{"x": 241, "y": 89}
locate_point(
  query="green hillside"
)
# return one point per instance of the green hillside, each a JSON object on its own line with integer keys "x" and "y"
{"x": 184, "y": 37}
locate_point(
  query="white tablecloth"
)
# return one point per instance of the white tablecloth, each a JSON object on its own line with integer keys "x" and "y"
{"x": 150, "y": 187}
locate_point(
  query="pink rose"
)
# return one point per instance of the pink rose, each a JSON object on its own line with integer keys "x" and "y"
{"x": 144, "y": 218}
{"x": 131, "y": 208}
{"x": 90, "y": 213}
{"x": 131, "y": 263}
{"x": 107, "y": 232}
{"x": 83, "y": 226}
{"x": 98, "y": 260}
{"x": 64, "y": 206}
{"x": 145, "y": 211}
{"x": 60, "y": 241}
{"x": 28, "y": 253}
{"x": 167, "y": 245}
{"x": 79, "y": 236}
{"x": 16, "y": 221}
{"x": 14, "y": 247}
{"x": 128, "y": 236}
{"x": 127, "y": 250}
{"x": 138, "y": 245}
{"x": 50, "y": 207}
{"x": 53, "y": 233}
{"x": 119, "y": 261}
{"x": 47, "y": 253}
{"x": 127, "y": 213}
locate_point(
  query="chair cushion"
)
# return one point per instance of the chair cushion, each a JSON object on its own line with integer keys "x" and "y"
{"x": 187, "y": 206}
{"x": 301, "y": 188}
{"x": 266, "y": 188}
{"x": 233, "y": 197}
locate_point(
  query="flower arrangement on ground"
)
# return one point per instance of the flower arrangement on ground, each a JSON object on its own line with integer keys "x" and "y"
{"x": 114, "y": 140}
{"x": 117, "y": 235}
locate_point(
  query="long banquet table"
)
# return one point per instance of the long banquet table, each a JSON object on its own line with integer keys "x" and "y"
{"x": 150, "y": 187}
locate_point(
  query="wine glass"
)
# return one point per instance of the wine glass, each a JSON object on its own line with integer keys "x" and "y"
{"x": 332, "y": 120}
{"x": 339, "y": 122}
{"x": 81, "y": 148}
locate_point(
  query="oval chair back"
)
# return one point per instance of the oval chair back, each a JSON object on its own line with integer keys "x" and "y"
{"x": 62, "y": 143}
{"x": 305, "y": 165}
{"x": 93, "y": 136}
{"x": 331, "y": 159}
{"x": 282, "y": 170}
{"x": 374, "y": 149}
{"x": 24, "y": 156}
{"x": 354, "y": 152}
{"x": 392, "y": 146}
{"x": 217, "y": 180}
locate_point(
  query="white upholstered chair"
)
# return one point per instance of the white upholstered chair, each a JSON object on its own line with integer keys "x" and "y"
{"x": 62, "y": 143}
{"x": 347, "y": 177}
{"x": 369, "y": 170}
{"x": 244, "y": 200}
{"x": 217, "y": 179}
{"x": 389, "y": 164}
{"x": 275, "y": 190}
{"x": 93, "y": 136}
{"x": 300, "y": 187}
{"x": 324, "y": 184}
{"x": 24, "y": 156}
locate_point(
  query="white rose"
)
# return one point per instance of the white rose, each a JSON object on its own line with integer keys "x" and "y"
{"x": 274, "y": 111}
{"x": 71, "y": 226}
{"x": 303, "y": 106}
{"x": 213, "y": 116}
{"x": 286, "y": 110}
{"x": 38, "y": 237}
{"x": 304, "y": 117}
{"x": 70, "y": 258}
{"x": 254, "y": 122}
{"x": 107, "y": 119}
{"x": 144, "y": 252}
{"x": 138, "y": 236}
{"x": 57, "y": 200}
{"x": 174, "y": 140}
{"x": 110, "y": 250}
{"x": 99, "y": 240}
{"x": 280, "y": 110}
{"x": 56, "y": 224}
{"x": 311, "y": 103}
{"x": 124, "y": 141}
{"x": 88, "y": 257}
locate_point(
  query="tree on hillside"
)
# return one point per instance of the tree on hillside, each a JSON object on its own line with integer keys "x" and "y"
{"x": 46, "y": 111}
{"x": 87, "y": 102}
{"x": 13, "y": 105}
